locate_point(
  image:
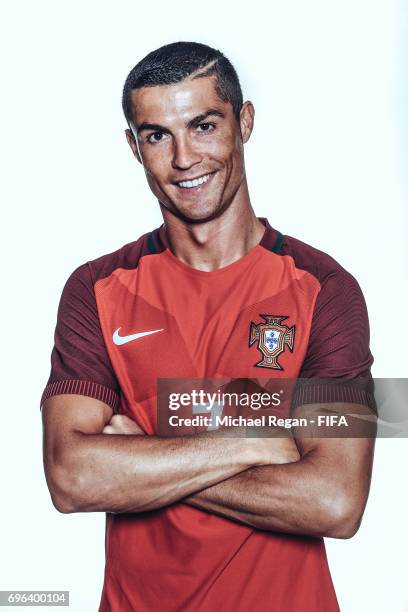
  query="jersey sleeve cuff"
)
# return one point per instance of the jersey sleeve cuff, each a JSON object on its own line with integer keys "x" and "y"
{"x": 82, "y": 387}
{"x": 315, "y": 391}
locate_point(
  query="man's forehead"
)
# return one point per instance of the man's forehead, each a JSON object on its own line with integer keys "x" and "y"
{"x": 163, "y": 104}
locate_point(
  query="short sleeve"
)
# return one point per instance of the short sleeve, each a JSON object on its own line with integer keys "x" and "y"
{"x": 337, "y": 365}
{"x": 79, "y": 360}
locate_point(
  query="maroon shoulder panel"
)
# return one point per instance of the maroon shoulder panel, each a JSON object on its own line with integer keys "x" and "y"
{"x": 339, "y": 339}
{"x": 79, "y": 360}
{"x": 340, "y": 334}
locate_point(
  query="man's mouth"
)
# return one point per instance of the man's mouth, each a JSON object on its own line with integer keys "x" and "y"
{"x": 195, "y": 182}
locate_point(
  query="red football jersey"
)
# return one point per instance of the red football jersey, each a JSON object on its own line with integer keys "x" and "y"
{"x": 178, "y": 557}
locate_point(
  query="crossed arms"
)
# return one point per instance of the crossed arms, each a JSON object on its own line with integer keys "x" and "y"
{"x": 316, "y": 486}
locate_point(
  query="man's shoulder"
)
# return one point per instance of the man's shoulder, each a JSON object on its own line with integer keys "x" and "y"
{"x": 337, "y": 286}
{"x": 312, "y": 260}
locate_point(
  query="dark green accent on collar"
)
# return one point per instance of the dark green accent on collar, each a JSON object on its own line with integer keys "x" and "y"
{"x": 150, "y": 244}
{"x": 278, "y": 243}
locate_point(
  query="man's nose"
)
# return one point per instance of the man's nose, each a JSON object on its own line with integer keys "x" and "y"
{"x": 185, "y": 155}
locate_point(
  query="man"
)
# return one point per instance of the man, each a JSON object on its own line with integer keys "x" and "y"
{"x": 208, "y": 521}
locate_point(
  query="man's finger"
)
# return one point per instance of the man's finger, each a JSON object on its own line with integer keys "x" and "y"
{"x": 108, "y": 429}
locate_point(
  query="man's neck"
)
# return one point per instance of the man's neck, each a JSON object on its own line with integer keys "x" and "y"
{"x": 216, "y": 243}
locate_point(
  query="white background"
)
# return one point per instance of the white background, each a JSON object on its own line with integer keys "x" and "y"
{"x": 326, "y": 164}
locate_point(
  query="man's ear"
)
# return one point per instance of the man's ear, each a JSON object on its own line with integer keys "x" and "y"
{"x": 133, "y": 144}
{"x": 246, "y": 120}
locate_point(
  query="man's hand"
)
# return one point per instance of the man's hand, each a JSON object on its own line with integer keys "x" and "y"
{"x": 281, "y": 446}
{"x": 122, "y": 424}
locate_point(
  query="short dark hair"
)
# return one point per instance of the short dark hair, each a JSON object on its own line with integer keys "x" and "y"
{"x": 175, "y": 62}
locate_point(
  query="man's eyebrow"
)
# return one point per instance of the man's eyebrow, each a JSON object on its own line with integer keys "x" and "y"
{"x": 155, "y": 127}
{"x": 212, "y": 112}
{"x": 152, "y": 126}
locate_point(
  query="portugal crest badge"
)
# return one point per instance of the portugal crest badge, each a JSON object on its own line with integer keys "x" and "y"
{"x": 272, "y": 337}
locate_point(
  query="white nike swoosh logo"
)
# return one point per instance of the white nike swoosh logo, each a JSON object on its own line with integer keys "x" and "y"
{"x": 119, "y": 340}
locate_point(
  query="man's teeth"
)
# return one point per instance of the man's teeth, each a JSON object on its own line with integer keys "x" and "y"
{"x": 195, "y": 183}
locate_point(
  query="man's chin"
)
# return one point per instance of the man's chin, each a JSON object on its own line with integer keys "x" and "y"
{"x": 194, "y": 214}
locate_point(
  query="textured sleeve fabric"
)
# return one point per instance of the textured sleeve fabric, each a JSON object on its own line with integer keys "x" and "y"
{"x": 79, "y": 361}
{"x": 338, "y": 359}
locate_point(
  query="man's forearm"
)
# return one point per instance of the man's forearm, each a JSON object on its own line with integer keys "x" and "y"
{"x": 136, "y": 473}
{"x": 274, "y": 497}
{"x": 312, "y": 496}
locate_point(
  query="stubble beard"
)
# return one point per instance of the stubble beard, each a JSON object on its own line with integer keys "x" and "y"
{"x": 195, "y": 213}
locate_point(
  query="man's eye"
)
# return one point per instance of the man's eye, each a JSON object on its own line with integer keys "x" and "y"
{"x": 205, "y": 127}
{"x": 155, "y": 137}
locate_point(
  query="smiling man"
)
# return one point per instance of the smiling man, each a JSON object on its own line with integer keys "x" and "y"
{"x": 208, "y": 521}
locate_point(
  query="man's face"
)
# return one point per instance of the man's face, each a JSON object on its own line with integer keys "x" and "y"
{"x": 190, "y": 145}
